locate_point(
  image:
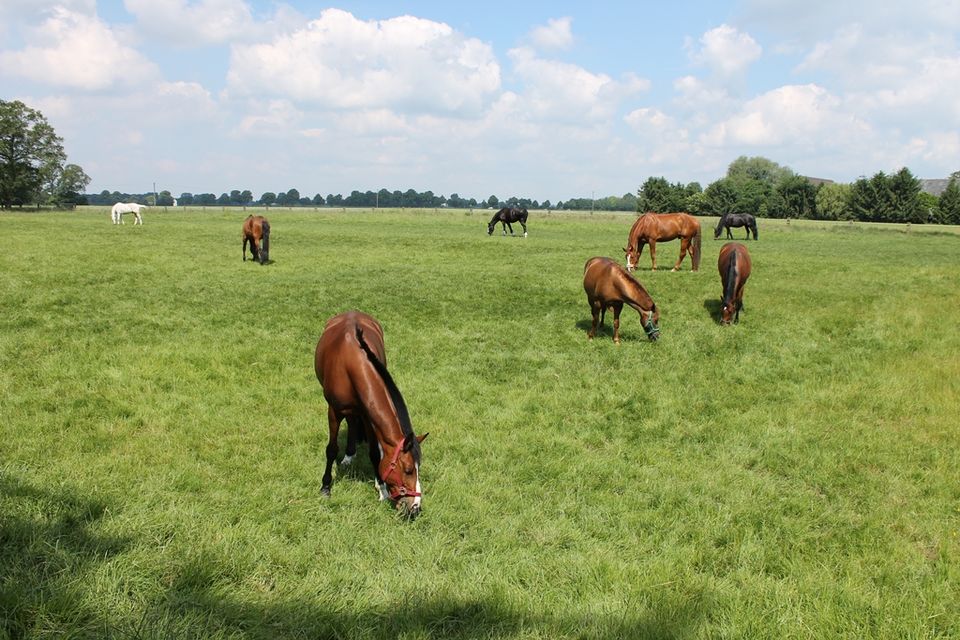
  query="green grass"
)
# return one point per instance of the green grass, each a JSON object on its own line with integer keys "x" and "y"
{"x": 162, "y": 434}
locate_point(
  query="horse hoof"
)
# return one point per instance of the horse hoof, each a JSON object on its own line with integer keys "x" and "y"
{"x": 325, "y": 492}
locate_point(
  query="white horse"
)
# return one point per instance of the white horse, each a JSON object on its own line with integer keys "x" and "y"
{"x": 116, "y": 213}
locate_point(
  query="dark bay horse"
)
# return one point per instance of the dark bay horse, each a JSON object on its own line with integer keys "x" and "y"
{"x": 507, "y": 215}
{"x": 734, "y": 266}
{"x": 653, "y": 227}
{"x": 256, "y": 231}
{"x": 736, "y": 220}
{"x": 607, "y": 284}
{"x": 350, "y": 363}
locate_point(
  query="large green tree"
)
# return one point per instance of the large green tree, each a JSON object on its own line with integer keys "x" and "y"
{"x": 68, "y": 184}
{"x": 31, "y": 154}
{"x": 833, "y": 202}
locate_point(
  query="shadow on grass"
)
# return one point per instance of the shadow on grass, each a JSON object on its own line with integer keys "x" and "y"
{"x": 713, "y": 307}
{"x": 197, "y": 613}
{"x": 45, "y": 548}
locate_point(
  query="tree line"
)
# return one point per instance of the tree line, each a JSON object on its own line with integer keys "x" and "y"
{"x": 763, "y": 188}
{"x": 34, "y": 170}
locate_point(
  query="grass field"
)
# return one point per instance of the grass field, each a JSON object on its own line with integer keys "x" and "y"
{"x": 162, "y": 434}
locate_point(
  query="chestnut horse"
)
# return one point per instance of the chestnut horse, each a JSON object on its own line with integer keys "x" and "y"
{"x": 256, "y": 231}
{"x": 652, "y": 227}
{"x": 507, "y": 215}
{"x": 350, "y": 363}
{"x": 734, "y": 267}
{"x": 607, "y": 284}
{"x": 728, "y": 220}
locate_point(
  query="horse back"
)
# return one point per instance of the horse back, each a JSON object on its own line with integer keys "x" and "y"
{"x": 606, "y": 281}
{"x": 341, "y": 365}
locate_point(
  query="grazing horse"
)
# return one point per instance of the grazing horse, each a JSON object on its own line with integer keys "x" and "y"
{"x": 117, "y": 211}
{"x": 256, "y": 231}
{"x": 351, "y": 366}
{"x": 607, "y": 284}
{"x": 728, "y": 220}
{"x": 734, "y": 267}
{"x": 651, "y": 227}
{"x": 507, "y": 215}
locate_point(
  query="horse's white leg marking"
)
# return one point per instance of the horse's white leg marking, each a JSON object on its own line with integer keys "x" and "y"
{"x": 416, "y": 500}
{"x": 346, "y": 461}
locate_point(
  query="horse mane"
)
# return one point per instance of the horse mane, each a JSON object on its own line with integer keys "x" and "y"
{"x": 730, "y": 282}
{"x": 402, "y": 415}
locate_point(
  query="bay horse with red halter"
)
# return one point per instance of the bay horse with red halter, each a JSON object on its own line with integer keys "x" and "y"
{"x": 734, "y": 266}
{"x": 350, "y": 363}
{"x": 256, "y": 231}
{"x": 608, "y": 285}
{"x": 505, "y": 217}
{"x": 651, "y": 228}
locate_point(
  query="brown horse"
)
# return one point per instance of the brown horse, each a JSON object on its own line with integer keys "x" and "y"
{"x": 607, "y": 284}
{"x": 734, "y": 266}
{"x": 350, "y": 363}
{"x": 652, "y": 227}
{"x": 256, "y": 231}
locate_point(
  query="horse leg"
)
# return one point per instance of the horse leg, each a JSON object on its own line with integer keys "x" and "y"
{"x": 334, "y": 421}
{"x": 503, "y": 225}
{"x": 653, "y": 255}
{"x": 354, "y": 431}
{"x": 511, "y": 228}
{"x": 244, "y": 248}
{"x": 684, "y": 248}
{"x": 524, "y": 225}
{"x": 617, "y": 308}
{"x": 375, "y": 455}
{"x": 595, "y": 312}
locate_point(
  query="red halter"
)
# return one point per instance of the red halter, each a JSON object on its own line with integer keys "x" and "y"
{"x": 401, "y": 491}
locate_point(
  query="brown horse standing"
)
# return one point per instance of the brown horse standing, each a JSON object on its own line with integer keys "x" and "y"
{"x": 351, "y": 366}
{"x": 607, "y": 284}
{"x": 652, "y": 227}
{"x": 734, "y": 266}
{"x": 256, "y": 231}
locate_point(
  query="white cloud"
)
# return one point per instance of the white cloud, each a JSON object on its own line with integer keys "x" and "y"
{"x": 77, "y": 51}
{"x": 340, "y": 62}
{"x": 803, "y": 115}
{"x": 203, "y": 22}
{"x": 31, "y": 10}
{"x": 556, "y": 34}
{"x": 566, "y": 92}
{"x": 726, "y": 50}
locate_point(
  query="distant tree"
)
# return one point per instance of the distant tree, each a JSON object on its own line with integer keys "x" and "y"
{"x": 31, "y": 154}
{"x": 334, "y": 200}
{"x": 833, "y": 202}
{"x": 797, "y": 198}
{"x": 68, "y": 185}
{"x": 293, "y": 197}
{"x": 656, "y": 194}
{"x": 493, "y": 202}
{"x": 235, "y": 197}
{"x": 305, "y": 201}
{"x": 205, "y": 199}
{"x": 185, "y": 199}
{"x": 721, "y": 197}
{"x": 165, "y": 199}
{"x": 268, "y": 198}
{"x": 906, "y": 191}
{"x": 317, "y": 200}
{"x": 949, "y": 205}
{"x": 246, "y": 197}
{"x": 546, "y": 204}
{"x": 224, "y": 199}
{"x": 758, "y": 169}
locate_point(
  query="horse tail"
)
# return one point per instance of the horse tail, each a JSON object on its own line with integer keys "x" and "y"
{"x": 696, "y": 248}
{"x": 730, "y": 282}
{"x": 402, "y": 414}
{"x": 265, "y": 238}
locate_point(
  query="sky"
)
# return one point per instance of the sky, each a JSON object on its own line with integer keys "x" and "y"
{"x": 544, "y": 100}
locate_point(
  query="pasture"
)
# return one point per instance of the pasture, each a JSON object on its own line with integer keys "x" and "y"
{"x": 793, "y": 476}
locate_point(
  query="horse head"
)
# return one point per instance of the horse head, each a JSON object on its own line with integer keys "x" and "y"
{"x": 729, "y": 310}
{"x": 490, "y": 227}
{"x": 401, "y": 475}
{"x": 652, "y": 326}
{"x": 632, "y": 256}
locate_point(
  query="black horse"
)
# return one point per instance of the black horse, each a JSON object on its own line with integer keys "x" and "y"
{"x": 736, "y": 220}
{"x": 507, "y": 215}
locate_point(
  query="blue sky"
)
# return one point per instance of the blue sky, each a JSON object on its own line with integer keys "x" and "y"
{"x": 548, "y": 100}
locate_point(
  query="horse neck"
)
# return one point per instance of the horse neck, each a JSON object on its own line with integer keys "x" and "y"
{"x": 637, "y": 294}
